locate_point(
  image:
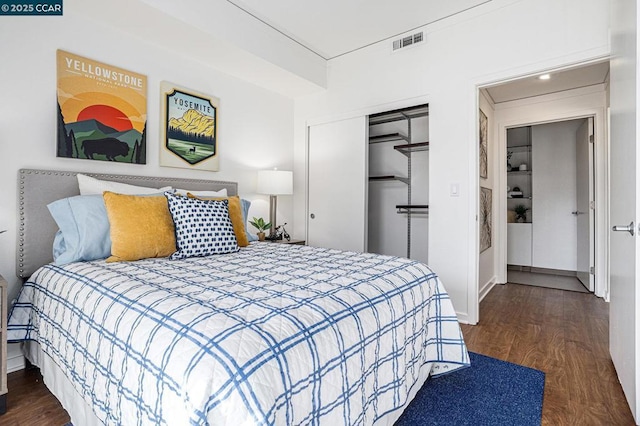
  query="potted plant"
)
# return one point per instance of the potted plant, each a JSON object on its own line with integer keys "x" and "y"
{"x": 261, "y": 226}
{"x": 521, "y": 213}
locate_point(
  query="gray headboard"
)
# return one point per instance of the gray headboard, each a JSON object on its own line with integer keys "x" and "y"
{"x": 37, "y": 188}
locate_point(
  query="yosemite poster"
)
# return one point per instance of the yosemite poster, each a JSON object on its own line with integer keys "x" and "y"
{"x": 189, "y": 129}
{"x": 102, "y": 111}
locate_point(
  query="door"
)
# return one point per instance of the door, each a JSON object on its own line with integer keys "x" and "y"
{"x": 585, "y": 219}
{"x": 337, "y": 193}
{"x": 623, "y": 309}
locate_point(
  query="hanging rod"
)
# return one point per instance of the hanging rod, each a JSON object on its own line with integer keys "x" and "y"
{"x": 413, "y": 208}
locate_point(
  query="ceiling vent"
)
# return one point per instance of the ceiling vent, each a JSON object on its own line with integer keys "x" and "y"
{"x": 407, "y": 41}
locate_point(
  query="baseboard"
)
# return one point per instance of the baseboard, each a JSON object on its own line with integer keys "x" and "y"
{"x": 15, "y": 358}
{"x": 486, "y": 288}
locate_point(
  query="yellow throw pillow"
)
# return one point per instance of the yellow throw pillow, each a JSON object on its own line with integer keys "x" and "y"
{"x": 235, "y": 214}
{"x": 141, "y": 227}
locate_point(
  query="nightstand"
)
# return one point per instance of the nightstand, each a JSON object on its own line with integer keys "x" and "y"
{"x": 3, "y": 345}
{"x": 292, "y": 241}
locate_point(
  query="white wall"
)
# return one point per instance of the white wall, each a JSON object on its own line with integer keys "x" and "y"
{"x": 498, "y": 40}
{"x": 255, "y": 124}
{"x": 487, "y": 259}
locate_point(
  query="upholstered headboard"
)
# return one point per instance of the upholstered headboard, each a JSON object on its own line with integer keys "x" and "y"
{"x": 37, "y": 188}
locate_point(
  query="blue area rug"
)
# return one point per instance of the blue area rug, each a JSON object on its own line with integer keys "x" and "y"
{"x": 490, "y": 392}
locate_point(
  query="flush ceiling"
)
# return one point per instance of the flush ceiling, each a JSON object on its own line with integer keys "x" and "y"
{"x": 331, "y": 28}
{"x": 584, "y": 76}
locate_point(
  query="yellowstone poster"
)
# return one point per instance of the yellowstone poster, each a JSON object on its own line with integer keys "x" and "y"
{"x": 102, "y": 111}
{"x": 189, "y": 130}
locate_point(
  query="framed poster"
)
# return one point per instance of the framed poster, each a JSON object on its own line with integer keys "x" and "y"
{"x": 486, "y": 218}
{"x": 102, "y": 111}
{"x": 189, "y": 128}
{"x": 484, "y": 135}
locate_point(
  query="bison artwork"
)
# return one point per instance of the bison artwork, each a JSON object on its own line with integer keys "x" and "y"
{"x": 109, "y": 147}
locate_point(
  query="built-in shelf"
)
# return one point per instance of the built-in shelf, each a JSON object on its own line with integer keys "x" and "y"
{"x": 407, "y": 149}
{"x": 519, "y": 148}
{"x": 389, "y": 137}
{"x": 400, "y": 114}
{"x": 519, "y": 172}
{"x": 388, "y": 178}
{"x": 519, "y": 198}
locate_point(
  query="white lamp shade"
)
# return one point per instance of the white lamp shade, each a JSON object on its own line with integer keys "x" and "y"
{"x": 275, "y": 182}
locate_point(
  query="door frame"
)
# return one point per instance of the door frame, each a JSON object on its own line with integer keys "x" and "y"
{"x": 601, "y": 171}
{"x": 601, "y": 184}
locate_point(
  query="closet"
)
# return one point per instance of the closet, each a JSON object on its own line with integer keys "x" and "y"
{"x": 398, "y": 190}
{"x": 368, "y": 183}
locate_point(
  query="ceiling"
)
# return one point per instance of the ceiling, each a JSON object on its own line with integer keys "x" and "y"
{"x": 584, "y": 76}
{"x": 332, "y": 28}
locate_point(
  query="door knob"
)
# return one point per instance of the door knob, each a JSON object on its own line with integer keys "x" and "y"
{"x": 628, "y": 228}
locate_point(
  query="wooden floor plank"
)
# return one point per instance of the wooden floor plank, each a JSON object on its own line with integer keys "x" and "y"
{"x": 566, "y": 335}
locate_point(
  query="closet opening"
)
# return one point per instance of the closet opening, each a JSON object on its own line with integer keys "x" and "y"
{"x": 550, "y": 198}
{"x": 398, "y": 190}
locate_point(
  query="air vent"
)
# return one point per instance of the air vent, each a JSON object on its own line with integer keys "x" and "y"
{"x": 408, "y": 41}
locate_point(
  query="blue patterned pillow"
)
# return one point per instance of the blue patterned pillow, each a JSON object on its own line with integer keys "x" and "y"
{"x": 203, "y": 227}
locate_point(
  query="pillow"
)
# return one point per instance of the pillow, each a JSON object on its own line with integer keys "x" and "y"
{"x": 203, "y": 227}
{"x": 84, "y": 229}
{"x": 235, "y": 214}
{"x": 141, "y": 227}
{"x": 245, "y": 214}
{"x": 89, "y": 186}
{"x": 221, "y": 193}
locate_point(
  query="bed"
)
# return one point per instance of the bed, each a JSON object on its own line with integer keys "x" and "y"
{"x": 269, "y": 334}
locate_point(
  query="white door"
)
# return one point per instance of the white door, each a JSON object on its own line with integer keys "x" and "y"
{"x": 553, "y": 165}
{"x": 584, "y": 199}
{"x": 623, "y": 309}
{"x": 337, "y": 193}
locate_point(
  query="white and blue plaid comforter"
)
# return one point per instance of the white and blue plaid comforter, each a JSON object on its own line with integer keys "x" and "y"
{"x": 273, "y": 334}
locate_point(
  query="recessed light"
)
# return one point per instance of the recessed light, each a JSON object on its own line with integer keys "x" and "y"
{"x": 544, "y": 77}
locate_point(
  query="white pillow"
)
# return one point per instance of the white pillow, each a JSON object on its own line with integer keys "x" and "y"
{"x": 90, "y": 186}
{"x": 221, "y": 193}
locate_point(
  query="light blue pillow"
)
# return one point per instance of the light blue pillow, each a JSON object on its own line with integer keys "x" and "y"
{"x": 203, "y": 227}
{"x": 84, "y": 229}
{"x": 245, "y": 212}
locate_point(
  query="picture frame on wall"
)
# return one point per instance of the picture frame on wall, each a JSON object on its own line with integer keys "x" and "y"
{"x": 486, "y": 218}
{"x": 102, "y": 111}
{"x": 189, "y": 131}
{"x": 484, "y": 151}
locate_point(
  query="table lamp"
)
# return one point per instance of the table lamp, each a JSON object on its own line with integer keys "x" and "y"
{"x": 273, "y": 183}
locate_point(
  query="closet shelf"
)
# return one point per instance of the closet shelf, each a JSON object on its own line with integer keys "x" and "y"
{"x": 412, "y": 147}
{"x": 397, "y": 115}
{"x": 519, "y": 148}
{"x": 518, "y": 172}
{"x": 519, "y": 198}
{"x": 389, "y": 137}
{"x": 388, "y": 178}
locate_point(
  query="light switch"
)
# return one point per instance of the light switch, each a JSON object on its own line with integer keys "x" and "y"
{"x": 454, "y": 190}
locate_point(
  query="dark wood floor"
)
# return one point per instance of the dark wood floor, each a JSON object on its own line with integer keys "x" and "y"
{"x": 563, "y": 333}
{"x": 566, "y": 335}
